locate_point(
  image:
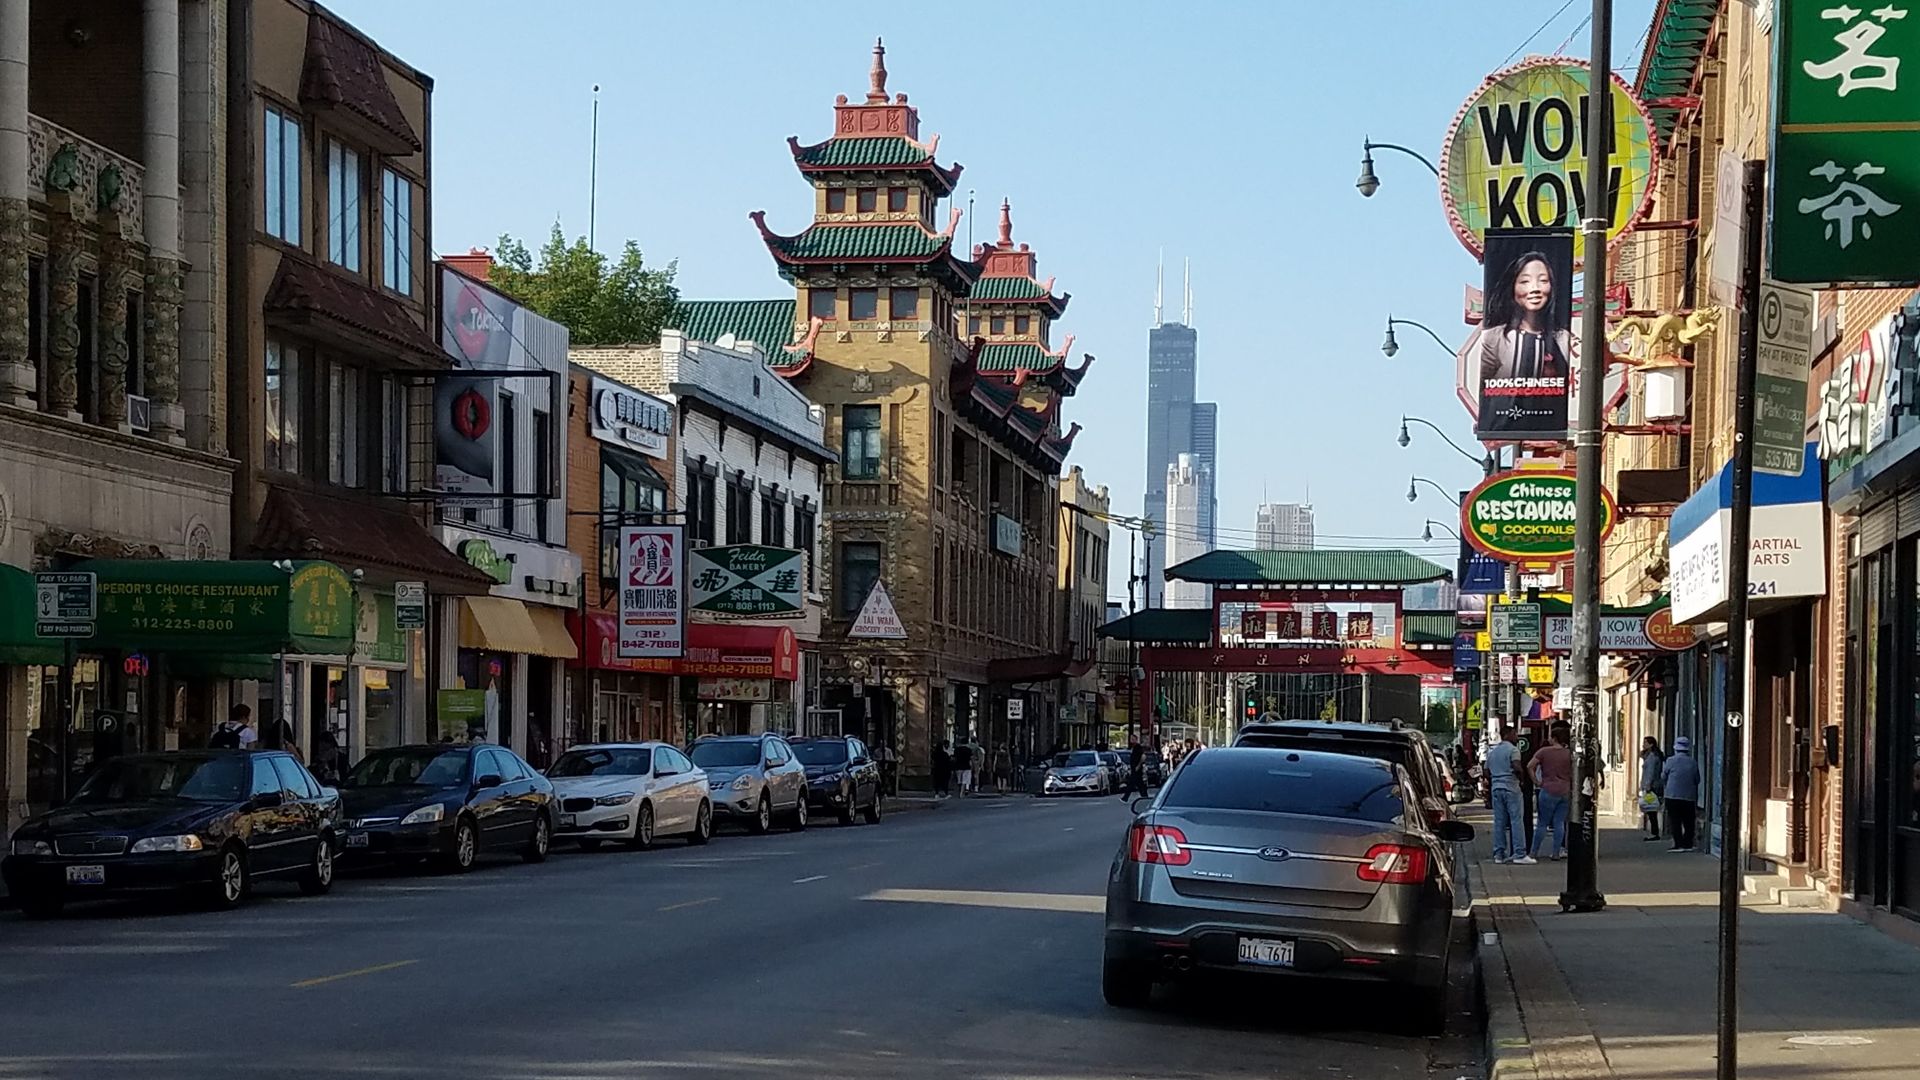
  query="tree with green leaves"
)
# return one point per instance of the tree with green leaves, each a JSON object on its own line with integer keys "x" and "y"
{"x": 599, "y": 302}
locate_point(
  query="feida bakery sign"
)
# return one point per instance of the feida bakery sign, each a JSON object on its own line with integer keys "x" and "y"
{"x": 630, "y": 418}
{"x": 1515, "y": 157}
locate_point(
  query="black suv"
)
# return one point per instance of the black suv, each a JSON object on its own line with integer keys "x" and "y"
{"x": 1393, "y": 742}
{"x": 210, "y": 822}
{"x": 842, "y": 777}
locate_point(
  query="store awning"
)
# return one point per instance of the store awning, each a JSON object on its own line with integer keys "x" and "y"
{"x": 18, "y": 643}
{"x": 223, "y": 606}
{"x": 716, "y": 650}
{"x": 499, "y": 624}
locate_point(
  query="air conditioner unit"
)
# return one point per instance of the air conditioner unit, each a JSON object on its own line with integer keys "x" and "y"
{"x": 139, "y": 413}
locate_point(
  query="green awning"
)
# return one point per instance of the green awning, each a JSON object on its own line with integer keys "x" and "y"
{"x": 18, "y": 643}
{"x": 220, "y": 665}
{"x": 233, "y": 607}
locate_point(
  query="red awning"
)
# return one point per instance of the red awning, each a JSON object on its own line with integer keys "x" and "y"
{"x": 737, "y": 650}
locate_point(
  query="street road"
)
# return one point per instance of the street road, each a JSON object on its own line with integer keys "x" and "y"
{"x": 959, "y": 943}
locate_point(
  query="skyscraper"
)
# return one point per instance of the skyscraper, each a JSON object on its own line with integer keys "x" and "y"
{"x": 1284, "y": 527}
{"x": 1176, "y": 425}
{"x": 1189, "y": 485}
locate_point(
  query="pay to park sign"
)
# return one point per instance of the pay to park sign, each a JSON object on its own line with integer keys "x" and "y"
{"x": 1527, "y": 516}
{"x": 1846, "y": 143}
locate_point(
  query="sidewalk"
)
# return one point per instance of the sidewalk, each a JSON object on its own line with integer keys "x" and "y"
{"x": 1629, "y": 992}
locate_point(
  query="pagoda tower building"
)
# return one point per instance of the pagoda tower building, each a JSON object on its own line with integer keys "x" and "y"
{"x": 945, "y": 499}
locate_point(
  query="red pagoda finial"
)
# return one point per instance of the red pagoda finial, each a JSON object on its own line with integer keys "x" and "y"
{"x": 1006, "y": 223}
{"x": 877, "y": 78}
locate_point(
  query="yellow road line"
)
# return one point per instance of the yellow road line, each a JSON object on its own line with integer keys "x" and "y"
{"x": 688, "y": 903}
{"x": 304, "y": 983}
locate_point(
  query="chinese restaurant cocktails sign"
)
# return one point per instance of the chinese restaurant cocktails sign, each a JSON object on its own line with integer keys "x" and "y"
{"x": 1527, "y": 516}
{"x": 1845, "y": 190}
{"x": 1515, "y": 157}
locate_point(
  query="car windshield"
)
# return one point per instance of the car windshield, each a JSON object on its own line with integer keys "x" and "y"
{"x": 424, "y": 766}
{"x": 827, "y": 752}
{"x": 720, "y": 754}
{"x": 624, "y": 761}
{"x": 1379, "y": 749}
{"x": 1285, "y": 784}
{"x": 1084, "y": 759}
{"x": 200, "y": 779}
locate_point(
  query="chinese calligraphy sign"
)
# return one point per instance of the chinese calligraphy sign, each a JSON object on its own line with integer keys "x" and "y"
{"x": 1846, "y": 145}
{"x": 748, "y": 581}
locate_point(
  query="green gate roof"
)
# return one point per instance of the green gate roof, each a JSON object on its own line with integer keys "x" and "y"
{"x": 1190, "y": 626}
{"x": 1380, "y": 566}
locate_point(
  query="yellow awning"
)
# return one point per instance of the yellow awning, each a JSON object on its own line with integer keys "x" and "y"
{"x": 497, "y": 624}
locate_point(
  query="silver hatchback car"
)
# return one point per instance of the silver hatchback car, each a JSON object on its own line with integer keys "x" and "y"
{"x": 1294, "y": 863}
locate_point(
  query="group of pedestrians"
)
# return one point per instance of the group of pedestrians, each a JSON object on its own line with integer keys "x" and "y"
{"x": 1672, "y": 781}
{"x": 962, "y": 769}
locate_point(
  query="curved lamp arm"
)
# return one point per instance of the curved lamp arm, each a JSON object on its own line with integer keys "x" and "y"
{"x": 1413, "y": 492}
{"x": 1486, "y": 462}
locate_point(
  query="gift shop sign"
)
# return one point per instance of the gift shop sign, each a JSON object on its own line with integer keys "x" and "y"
{"x": 1527, "y": 516}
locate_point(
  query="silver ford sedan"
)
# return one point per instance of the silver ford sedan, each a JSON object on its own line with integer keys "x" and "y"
{"x": 1291, "y": 863}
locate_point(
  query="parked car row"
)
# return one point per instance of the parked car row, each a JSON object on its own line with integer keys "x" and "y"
{"x": 216, "y": 822}
{"x": 1095, "y": 772}
{"x": 1308, "y": 850}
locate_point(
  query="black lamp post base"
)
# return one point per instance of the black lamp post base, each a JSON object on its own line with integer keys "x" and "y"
{"x": 1574, "y": 903}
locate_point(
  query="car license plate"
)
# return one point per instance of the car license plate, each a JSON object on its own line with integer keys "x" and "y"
{"x": 566, "y": 821}
{"x": 87, "y": 875}
{"x": 356, "y": 839}
{"x": 1266, "y": 952}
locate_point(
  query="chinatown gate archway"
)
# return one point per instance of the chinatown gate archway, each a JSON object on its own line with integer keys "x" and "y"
{"x": 1291, "y": 613}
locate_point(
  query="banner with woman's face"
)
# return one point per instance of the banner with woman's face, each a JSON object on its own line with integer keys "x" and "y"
{"x": 1524, "y": 354}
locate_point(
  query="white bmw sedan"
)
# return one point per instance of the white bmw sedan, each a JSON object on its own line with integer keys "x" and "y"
{"x": 636, "y": 792}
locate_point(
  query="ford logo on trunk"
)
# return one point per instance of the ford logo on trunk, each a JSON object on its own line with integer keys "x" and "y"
{"x": 1275, "y": 854}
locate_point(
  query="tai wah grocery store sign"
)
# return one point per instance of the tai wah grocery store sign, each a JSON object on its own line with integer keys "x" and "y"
{"x": 1527, "y": 516}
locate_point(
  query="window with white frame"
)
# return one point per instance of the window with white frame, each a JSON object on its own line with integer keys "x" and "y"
{"x": 396, "y": 231}
{"x": 282, "y": 166}
{"x": 343, "y": 206}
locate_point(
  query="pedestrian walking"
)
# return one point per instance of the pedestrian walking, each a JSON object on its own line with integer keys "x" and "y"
{"x": 1503, "y": 780}
{"x": 889, "y": 760}
{"x": 1002, "y": 769}
{"x": 963, "y": 767}
{"x": 942, "y": 770}
{"x": 326, "y": 757}
{"x": 1136, "y": 782}
{"x": 1553, "y": 775}
{"x": 236, "y": 733}
{"x": 1680, "y": 781}
{"x": 1652, "y": 761}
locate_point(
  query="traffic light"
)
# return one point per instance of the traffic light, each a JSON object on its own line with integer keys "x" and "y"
{"x": 1253, "y": 706}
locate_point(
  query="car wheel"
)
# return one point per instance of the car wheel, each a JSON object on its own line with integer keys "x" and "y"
{"x": 874, "y": 808}
{"x": 318, "y": 877}
{"x": 643, "y": 827}
{"x": 798, "y": 822}
{"x": 466, "y": 846}
{"x": 702, "y": 824}
{"x": 849, "y": 814}
{"x": 1124, "y": 982}
{"x": 763, "y": 815}
{"x": 40, "y": 905}
{"x": 231, "y": 882}
{"x": 541, "y": 842}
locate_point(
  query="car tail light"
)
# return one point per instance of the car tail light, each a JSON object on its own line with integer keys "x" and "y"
{"x": 1395, "y": 864}
{"x": 1158, "y": 844}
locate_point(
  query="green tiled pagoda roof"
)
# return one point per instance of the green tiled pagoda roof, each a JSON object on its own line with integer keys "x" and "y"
{"x": 1007, "y": 358}
{"x": 1008, "y": 288}
{"x": 1675, "y": 44}
{"x": 1191, "y": 626}
{"x": 1358, "y": 567}
{"x": 1427, "y": 628}
{"x": 858, "y": 242}
{"x": 766, "y": 323}
{"x": 860, "y": 153}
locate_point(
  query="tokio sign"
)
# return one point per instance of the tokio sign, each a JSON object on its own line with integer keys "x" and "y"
{"x": 1515, "y": 157}
{"x": 1527, "y": 516}
{"x": 652, "y": 615}
{"x": 1845, "y": 160}
{"x": 747, "y": 581}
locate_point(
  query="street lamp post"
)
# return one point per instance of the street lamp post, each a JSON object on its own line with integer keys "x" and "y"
{"x": 1368, "y": 182}
{"x": 1413, "y": 493}
{"x": 1390, "y": 345}
{"x": 1427, "y": 533}
{"x": 1488, "y": 464}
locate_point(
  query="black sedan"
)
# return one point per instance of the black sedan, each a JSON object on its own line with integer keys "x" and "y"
{"x": 449, "y": 803}
{"x": 842, "y": 777}
{"x": 211, "y": 822}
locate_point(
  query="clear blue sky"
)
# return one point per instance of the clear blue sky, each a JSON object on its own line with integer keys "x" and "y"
{"x": 1225, "y": 132}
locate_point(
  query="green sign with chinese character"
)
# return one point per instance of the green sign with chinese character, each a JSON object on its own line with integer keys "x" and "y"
{"x": 224, "y": 607}
{"x": 747, "y": 581}
{"x": 1845, "y": 189}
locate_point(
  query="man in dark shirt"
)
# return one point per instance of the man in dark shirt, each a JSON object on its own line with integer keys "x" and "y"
{"x": 963, "y": 767}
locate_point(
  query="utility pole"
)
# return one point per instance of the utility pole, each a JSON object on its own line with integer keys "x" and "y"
{"x": 1583, "y": 848}
{"x": 593, "y": 168}
{"x": 1733, "y": 788}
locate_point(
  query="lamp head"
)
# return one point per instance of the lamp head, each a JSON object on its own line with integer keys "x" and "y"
{"x": 1405, "y": 439}
{"x": 1427, "y": 534}
{"x": 1389, "y": 346}
{"x": 1368, "y": 183}
{"x": 1413, "y": 493}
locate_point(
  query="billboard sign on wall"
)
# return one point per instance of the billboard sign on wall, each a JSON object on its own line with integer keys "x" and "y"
{"x": 652, "y": 592}
{"x": 1515, "y": 157}
{"x": 1519, "y": 364}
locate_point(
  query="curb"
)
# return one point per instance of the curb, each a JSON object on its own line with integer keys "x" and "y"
{"x": 1509, "y": 1053}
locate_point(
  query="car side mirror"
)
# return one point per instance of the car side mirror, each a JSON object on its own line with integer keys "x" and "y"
{"x": 490, "y": 780}
{"x": 1454, "y": 832}
{"x": 1140, "y": 804}
{"x": 771, "y": 763}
